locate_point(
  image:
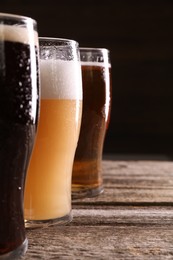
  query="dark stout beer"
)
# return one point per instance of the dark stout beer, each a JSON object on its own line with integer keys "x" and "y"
{"x": 95, "y": 119}
{"x": 18, "y": 123}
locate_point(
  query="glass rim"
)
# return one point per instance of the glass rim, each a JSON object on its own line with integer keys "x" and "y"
{"x": 17, "y": 17}
{"x": 93, "y": 49}
{"x": 57, "y": 39}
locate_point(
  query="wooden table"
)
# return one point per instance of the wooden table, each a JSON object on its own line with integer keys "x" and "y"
{"x": 132, "y": 219}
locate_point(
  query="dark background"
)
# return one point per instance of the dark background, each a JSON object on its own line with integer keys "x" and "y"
{"x": 139, "y": 35}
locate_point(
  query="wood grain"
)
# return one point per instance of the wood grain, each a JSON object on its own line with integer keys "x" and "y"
{"x": 132, "y": 219}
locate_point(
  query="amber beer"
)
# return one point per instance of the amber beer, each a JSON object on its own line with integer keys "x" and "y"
{"x": 48, "y": 186}
{"x": 87, "y": 177}
{"x": 19, "y": 104}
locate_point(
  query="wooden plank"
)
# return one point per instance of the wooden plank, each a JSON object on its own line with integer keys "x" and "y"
{"x": 132, "y": 197}
{"x": 138, "y": 169}
{"x": 102, "y": 229}
{"x": 135, "y": 183}
{"x": 120, "y": 215}
{"x": 103, "y": 242}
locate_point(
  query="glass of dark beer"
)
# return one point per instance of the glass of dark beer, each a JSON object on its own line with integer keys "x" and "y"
{"x": 87, "y": 179}
{"x": 19, "y": 105}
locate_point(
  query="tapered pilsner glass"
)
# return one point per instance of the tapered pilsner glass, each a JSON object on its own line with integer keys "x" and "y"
{"x": 19, "y": 109}
{"x": 48, "y": 185}
{"x": 87, "y": 178}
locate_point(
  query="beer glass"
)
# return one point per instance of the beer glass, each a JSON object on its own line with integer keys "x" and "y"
{"x": 48, "y": 185}
{"x": 87, "y": 179}
{"x": 19, "y": 108}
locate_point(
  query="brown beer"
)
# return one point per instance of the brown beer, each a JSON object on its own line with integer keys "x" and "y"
{"x": 87, "y": 175}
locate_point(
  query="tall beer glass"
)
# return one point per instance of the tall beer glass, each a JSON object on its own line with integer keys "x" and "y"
{"x": 19, "y": 103}
{"x": 87, "y": 179}
{"x": 48, "y": 186}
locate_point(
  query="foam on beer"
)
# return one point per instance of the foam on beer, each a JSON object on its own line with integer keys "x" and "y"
{"x": 60, "y": 79}
{"x": 96, "y": 63}
{"x": 15, "y": 33}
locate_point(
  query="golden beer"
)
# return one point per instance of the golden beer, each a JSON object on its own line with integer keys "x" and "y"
{"x": 48, "y": 185}
{"x": 49, "y": 178}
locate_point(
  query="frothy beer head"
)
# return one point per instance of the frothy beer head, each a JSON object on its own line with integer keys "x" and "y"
{"x": 60, "y": 79}
{"x": 104, "y": 64}
{"x": 17, "y": 33}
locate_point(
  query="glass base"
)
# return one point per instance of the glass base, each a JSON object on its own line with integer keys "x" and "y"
{"x": 17, "y": 253}
{"x": 79, "y": 191}
{"x": 48, "y": 222}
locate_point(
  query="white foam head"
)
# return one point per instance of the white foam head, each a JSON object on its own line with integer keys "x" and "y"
{"x": 96, "y": 63}
{"x": 60, "y": 79}
{"x": 18, "y": 34}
